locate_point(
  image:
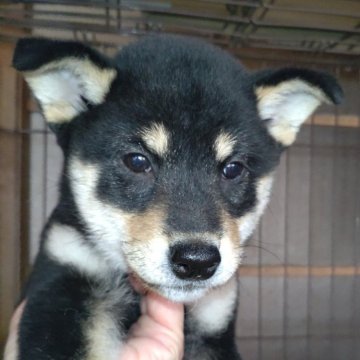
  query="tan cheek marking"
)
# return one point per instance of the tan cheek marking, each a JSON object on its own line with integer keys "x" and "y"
{"x": 231, "y": 228}
{"x": 223, "y": 146}
{"x": 147, "y": 226}
{"x": 102, "y": 335}
{"x": 156, "y": 138}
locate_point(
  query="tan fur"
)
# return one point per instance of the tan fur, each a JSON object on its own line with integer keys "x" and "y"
{"x": 156, "y": 138}
{"x": 146, "y": 226}
{"x": 223, "y": 146}
{"x": 101, "y": 329}
{"x": 102, "y": 335}
{"x": 59, "y": 112}
{"x": 230, "y": 227}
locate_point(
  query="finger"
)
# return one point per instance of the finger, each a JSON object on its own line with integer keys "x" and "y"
{"x": 16, "y": 316}
{"x": 11, "y": 347}
{"x": 165, "y": 312}
{"x": 149, "y": 340}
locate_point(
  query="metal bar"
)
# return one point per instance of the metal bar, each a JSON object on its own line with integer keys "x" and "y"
{"x": 333, "y": 222}
{"x": 260, "y": 278}
{"x": 131, "y": 31}
{"x": 209, "y": 16}
{"x": 253, "y": 4}
{"x": 309, "y": 249}
{"x": 322, "y": 11}
{"x": 299, "y": 271}
{"x": 244, "y": 3}
{"x": 342, "y": 40}
{"x": 286, "y": 257}
{"x": 264, "y": 41}
{"x": 258, "y": 23}
{"x": 259, "y": 53}
{"x": 61, "y": 25}
{"x": 118, "y": 15}
{"x": 356, "y": 260}
{"x": 131, "y": 4}
{"x": 318, "y": 337}
{"x": 25, "y": 12}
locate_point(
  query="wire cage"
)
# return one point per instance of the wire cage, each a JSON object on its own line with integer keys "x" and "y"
{"x": 299, "y": 284}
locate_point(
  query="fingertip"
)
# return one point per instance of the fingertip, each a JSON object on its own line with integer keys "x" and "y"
{"x": 164, "y": 311}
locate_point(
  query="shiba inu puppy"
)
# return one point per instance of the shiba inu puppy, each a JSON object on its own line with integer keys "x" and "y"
{"x": 170, "y": 150}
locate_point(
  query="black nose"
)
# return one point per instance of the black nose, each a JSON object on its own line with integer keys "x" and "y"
{"x": 194, "y": 261}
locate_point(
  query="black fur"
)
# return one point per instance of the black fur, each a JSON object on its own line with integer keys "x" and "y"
{"x": 317, "y": 78}
{"x": 194, "y": 90}
{"x": 30, "y": 54}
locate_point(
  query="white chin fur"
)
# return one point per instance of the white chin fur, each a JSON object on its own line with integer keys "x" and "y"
{"x": 180, "y": 295}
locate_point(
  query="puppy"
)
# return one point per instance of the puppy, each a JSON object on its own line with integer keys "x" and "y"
{"x": 170, "y": 150}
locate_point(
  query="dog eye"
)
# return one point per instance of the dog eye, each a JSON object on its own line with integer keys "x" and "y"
{"x": 137, "y": 163}
{"x": 232, "y": 170}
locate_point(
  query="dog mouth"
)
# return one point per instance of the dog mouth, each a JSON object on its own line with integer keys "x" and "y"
{"x": 178, "y": 293}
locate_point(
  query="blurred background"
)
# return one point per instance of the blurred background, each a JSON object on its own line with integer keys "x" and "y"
{"x": 300, "y": 284}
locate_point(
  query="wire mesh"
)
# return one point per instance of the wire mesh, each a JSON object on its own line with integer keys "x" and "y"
{"x": 275, "y": 24}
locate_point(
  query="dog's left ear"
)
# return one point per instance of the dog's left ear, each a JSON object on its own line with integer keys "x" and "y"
{"x": 287, "y": 97}
{"x": 65, "y": 76}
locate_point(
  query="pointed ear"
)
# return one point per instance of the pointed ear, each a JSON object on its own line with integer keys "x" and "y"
{"x": 65, "y": 76}
{"x": 287, "y": 97}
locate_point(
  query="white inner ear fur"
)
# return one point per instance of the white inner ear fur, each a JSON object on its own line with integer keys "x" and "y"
{"x": 287, "y": 106}
{"x": 61, "y": 85}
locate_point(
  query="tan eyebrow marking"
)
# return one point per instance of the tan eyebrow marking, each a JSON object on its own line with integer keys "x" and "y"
{"x": 156, "y": 138}
{"x": 223, "y": 146}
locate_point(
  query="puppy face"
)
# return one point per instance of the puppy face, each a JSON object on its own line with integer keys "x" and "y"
{"x": 169, "y": 208}
{"x": 170, "y": 164}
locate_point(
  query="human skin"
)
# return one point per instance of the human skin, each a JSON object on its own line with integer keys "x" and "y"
{"x": 157, "y": 335}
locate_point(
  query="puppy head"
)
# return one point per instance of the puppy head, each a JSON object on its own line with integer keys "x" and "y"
{"x": 169, "y": 150}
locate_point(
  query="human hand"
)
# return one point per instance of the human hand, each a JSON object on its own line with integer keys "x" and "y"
{"x": 11, "y": 344}
{"x": 157, "y": 335}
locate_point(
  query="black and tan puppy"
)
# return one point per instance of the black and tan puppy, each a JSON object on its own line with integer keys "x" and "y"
{"x": 169, "y": 150}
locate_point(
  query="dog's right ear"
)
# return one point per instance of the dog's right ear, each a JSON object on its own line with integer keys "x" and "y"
{"x": 65, "y": 76}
